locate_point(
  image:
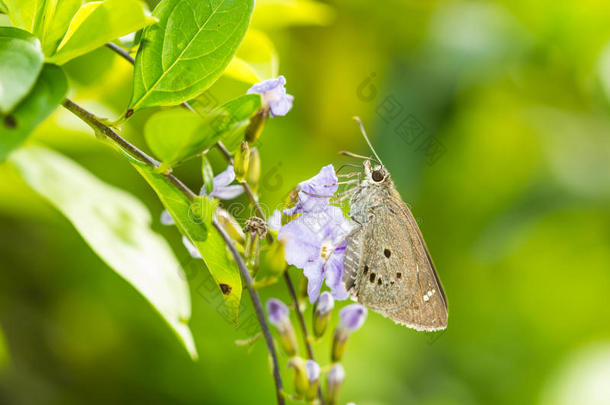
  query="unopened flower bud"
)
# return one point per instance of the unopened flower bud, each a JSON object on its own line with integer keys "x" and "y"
{"x": 306, "y": 377}
{"x": 278, "y": 314}
{"x": 351, "y": 318}
{"x": 334, "y": 380}
{"x": 257, "y": 124}
{"x": 253, "y": 175}
{"x": 230, "y": 225}
{"x": 322, "y": 312}
{"x": 301, "y": 384}
{"x": 242, "y": 161}
{"x": 313, "y": 378}
{"x": 274, "y": 259}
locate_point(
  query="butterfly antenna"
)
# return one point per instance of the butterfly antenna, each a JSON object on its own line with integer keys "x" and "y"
{"x": 366, "y": 138}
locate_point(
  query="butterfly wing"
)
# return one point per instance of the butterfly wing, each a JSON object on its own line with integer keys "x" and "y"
{"x": 388, "y": 267}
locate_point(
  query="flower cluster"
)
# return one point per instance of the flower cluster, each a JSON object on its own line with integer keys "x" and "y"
{"x": 315, "y": 241}
{"x": 307, "y": 373}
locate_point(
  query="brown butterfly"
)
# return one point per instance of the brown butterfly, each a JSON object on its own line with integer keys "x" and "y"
{"x": 387, "y": 265}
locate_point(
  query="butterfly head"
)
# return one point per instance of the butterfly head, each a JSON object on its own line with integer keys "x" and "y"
{"x": 375, "y": 174}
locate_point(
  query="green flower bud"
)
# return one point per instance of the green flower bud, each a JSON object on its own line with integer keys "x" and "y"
{"x": 253, "y": 175}
{"x": 334, "y": 380}
{"x": 230, "y": 225}
{"x": 301, "y": 384}
{"x": 257, "y": 124}
{"x": 242, "y": 161}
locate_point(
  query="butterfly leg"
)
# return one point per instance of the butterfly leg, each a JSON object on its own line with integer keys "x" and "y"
{"x": 349, "y": 235}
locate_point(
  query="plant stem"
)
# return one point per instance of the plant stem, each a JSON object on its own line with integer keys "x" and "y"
{"x": 257, "y": 307}
{"x": 131, "y": 149}
{"x": 128, "y": 147}
{"x": 122, "y": 52}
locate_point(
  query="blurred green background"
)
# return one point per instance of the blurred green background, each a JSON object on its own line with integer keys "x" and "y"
{"x": 493, "y": 120}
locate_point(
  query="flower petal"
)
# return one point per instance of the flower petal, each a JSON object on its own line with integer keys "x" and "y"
{"x": 313, "y": 272}
{"x": 227, "y": 192}
{"x": 301, "y": 244}
{"x": 225, "y": 178}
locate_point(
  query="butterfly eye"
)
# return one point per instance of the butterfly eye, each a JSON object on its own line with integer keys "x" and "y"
{"x": 377, "y": 175}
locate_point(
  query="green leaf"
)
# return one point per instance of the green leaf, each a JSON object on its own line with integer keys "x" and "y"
{"x": 174, "y": 135}
{"x": 256, "y": 59}
{"x": 98, "y": 22}
{"x": 55, "y": 22}
{"x": 49, "y": 91}
{"x": 3, "y": 8}
{"x": 24, "y": 13}
{"x": 21, "y": 61}
{"x": 188, "y": 50}
{"x": 117, "y": 227}
{"x": 240, "y": 110}
{"x": 193, "y": 220}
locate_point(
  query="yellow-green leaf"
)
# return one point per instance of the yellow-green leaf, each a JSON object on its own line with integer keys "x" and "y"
{"x": 117, "y": 227}
{"x": 98, "y": 22}
{"x": 201, "y": 233}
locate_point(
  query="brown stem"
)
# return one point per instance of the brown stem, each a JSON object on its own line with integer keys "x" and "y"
{"x": 257, "y": 307}
{"x": 128, "y": 147}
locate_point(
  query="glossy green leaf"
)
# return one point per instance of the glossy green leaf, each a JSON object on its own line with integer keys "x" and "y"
{"x": 270, "y": 14}
{"x": 193, "y": 220}
{"x": 20, "y": 63}
{"x": 187, "y": 50}
{"x": 49, "y": 91}
{"x": 98, "y": 22}
{"x": 117, "y": 227}
{"x": 55, "y": 22}
{"x": 256, "y": 59}
{"x": 24, "y": 13}
{"x": 240, "y": 110}
{"x": 174, "y": 135}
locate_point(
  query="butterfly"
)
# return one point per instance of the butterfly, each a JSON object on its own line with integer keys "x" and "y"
{"x": 387, "y": 267}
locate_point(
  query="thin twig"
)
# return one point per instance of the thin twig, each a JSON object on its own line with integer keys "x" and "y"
{"x": 128, "y": 147}
{"x": 257, "y": 307}
{"x": 122, "y": 52}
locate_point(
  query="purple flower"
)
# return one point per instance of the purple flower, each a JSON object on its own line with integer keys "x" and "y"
{"x": 277, "y": 312}
{"x": 274, "y": 95}
{"x": 315, "y": 242}
{"x": 221, "y": 188}
{"x": 313, "y": 371}
{"x": 315, "y": 193}
{"x": 352, "y": 317}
